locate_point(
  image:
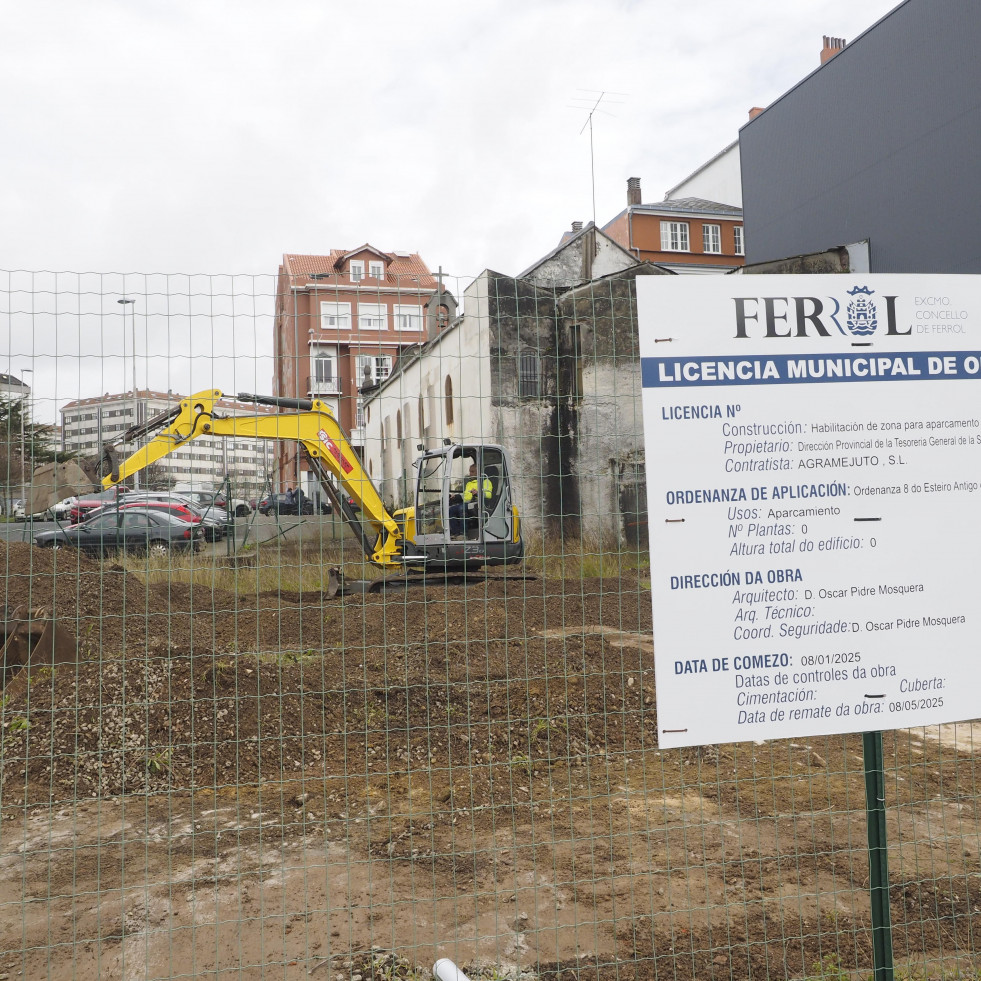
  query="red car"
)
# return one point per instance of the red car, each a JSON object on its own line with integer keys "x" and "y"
{"x": 172, "y": 508}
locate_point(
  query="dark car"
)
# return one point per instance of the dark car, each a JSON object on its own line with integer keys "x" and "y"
{"x": 137, "y": 530}
{"x": 213, "y": 521}
{"x": 278, "y": 504}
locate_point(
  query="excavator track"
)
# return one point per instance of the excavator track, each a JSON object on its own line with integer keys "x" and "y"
{"x": 361, "y": 587}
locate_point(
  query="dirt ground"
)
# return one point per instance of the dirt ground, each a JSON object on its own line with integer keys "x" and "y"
{"x": 272, "y": 784}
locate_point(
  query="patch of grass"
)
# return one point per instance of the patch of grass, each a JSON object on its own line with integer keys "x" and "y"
{"x": 44, "y": 673}
{"x": 576, "y": 557}
{"x": 279, "y": 566}
{"x": 543, "y": 727}
{"x": 18, "y": 723}
{"x": 215, "y": 672}
{"x": 283, "y": 658}
{"x": 829, "y": 969}
{"x": 273, "y": 567}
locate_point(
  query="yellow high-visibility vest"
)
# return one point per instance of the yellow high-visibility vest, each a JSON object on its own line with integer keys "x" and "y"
{"x": 470, "y": 489}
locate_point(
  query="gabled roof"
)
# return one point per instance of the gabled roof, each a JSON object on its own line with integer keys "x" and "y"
{"x": 367, "y": 247}
{"x": 567, "y": 239}
{"x": 403, "y": 269}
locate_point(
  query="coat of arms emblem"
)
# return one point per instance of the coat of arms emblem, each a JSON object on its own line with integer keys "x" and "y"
{"x": 861, "y": 312}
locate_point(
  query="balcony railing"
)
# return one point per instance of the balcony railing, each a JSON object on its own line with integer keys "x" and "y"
{"x": 332, "y": 386}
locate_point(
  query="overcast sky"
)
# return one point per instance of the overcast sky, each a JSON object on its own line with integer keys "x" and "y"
{"x": 209, "y": 137}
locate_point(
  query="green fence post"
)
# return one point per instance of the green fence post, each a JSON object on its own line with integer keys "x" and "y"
{"x": 875, "y": 812}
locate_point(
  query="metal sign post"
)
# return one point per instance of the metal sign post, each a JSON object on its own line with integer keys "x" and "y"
{"x": 875, "y": 811}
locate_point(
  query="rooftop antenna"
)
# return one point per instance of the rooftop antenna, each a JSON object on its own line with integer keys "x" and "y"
{"x": 591, "y": 102}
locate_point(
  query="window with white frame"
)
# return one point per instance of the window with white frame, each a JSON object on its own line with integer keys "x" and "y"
{"x": 407, "y": 317}
{"x": 356, "y": 270}
{"x": 372, "y": 368}
{"x": 711, "y": 238}
{"x": 376, "y": 270}
{"x": 674, "y": 236}
{"x": 371, "y": 316}
{"x": 737, "y": 234}
{"x": 335, "y": 316}
{"x": 359, "y": 415}
{"x": 324, "y": 368}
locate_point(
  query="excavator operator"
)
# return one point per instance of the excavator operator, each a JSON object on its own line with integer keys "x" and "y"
{"x": 466, "y": 507}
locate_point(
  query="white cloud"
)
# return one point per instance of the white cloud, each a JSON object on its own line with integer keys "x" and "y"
{"x": 213, "y": 137}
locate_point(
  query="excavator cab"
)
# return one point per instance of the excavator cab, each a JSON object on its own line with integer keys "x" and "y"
{"x": 464, "y": 513}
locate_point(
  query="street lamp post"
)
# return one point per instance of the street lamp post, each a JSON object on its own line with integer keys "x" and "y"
{"x": 127, "y": 301}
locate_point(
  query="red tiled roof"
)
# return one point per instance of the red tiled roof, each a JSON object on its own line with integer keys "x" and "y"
{"x": 403, "y": 269}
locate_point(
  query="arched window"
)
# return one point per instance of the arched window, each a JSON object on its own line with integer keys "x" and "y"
{"x": 422, "y": 418}
{"x": 398, "y": 426}
{"x": 448, "y": 400}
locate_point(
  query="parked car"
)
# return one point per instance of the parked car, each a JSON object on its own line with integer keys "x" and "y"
{"x": 17, "y": 511}
{"x": 204, "y": 499}
{"x": 135, "y": 530}
{"x": 89, "y": 503}
{"x": 278, "y": 504}
{"x": 213, "y": 521}
{"x": 213, "y": 518}
{"x": 62, "y": 509}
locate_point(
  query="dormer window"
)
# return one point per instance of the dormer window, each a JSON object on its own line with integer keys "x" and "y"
{"x": 376, "y": 270}
{"x": 357, "y": 271}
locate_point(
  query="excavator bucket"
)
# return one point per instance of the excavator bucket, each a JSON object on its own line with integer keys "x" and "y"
{"x": 55, "y": 481}
{"x": 335, "y": 583}
{"x": 33, "y": 639}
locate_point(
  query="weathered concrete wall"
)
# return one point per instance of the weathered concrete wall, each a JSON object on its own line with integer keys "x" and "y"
{"x": 521, "y": 320}
{"x": 815, "y": 263}
{"x": 604, "y": 413}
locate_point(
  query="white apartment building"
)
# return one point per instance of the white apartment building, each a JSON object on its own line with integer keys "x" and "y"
{"x": 87, "y": 425}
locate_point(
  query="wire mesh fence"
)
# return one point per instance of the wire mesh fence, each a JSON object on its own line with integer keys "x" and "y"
{"x": 218, "y": 758}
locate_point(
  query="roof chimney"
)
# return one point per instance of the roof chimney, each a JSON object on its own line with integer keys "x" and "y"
{"x": 576, "y": 226}
{"x": 633, "y": 190}
{"x": 755, "y": 111}
{"x": 832, "y": 45}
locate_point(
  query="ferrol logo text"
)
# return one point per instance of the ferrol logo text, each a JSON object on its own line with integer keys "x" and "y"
{"x": 816, "y": 316}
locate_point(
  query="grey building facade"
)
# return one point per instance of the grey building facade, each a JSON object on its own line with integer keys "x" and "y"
{"x": 881, "y": 143}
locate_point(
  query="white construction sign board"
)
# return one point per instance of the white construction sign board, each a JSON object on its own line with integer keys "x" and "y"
{"x": 813, "y": 468}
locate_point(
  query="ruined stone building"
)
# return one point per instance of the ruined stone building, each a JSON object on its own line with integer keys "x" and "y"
{"x": 545, "y": 364}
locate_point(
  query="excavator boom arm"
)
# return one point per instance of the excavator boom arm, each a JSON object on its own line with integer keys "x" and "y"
{"x": 315, "y": 428}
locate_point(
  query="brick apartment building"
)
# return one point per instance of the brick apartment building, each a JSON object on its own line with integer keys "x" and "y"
{"x": 87, "y": 425}
{"x": 341, "y": 321}
{"x": 688, "y": 235}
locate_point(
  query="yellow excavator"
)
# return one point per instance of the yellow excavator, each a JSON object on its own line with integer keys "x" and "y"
{"x": 448, "y": 528}
{"x": 463, "y": 518}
